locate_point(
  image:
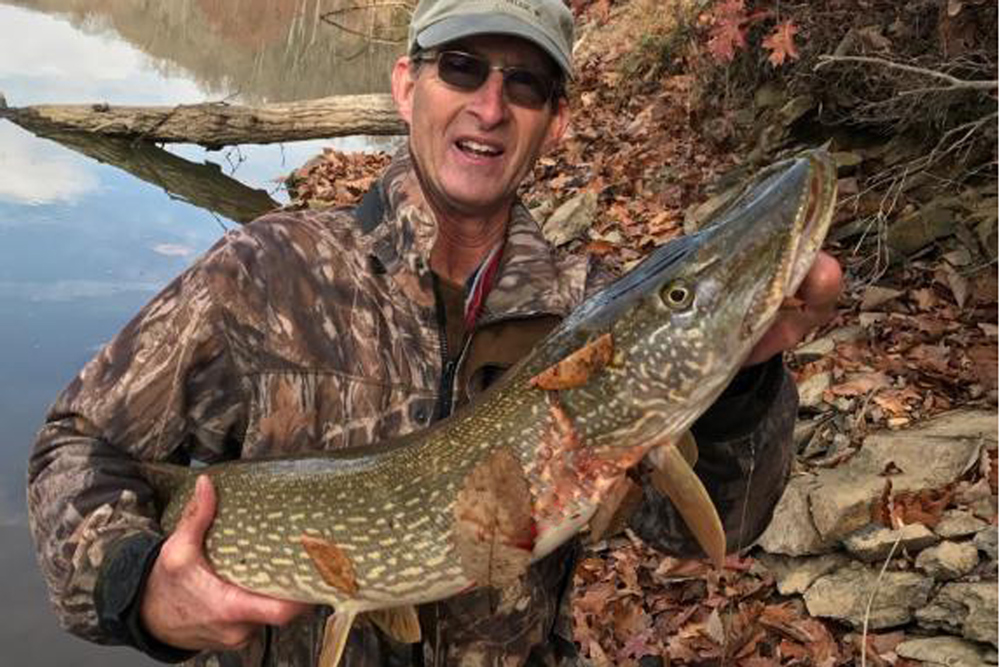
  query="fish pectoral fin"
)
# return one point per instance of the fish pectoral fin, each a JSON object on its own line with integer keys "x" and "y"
{"x": 688, "y": 448}
{"x": 674, "y": 477}
{"x": 338, "y": 627}
{"x": 399, "y": 623}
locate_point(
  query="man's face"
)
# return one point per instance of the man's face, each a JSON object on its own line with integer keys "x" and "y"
{"x": 473, "y": 148}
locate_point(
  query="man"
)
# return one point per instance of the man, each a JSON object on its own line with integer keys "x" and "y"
{"x": 328, "y": 329}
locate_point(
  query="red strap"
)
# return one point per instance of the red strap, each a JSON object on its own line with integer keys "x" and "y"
{"x": 479, "y": 285}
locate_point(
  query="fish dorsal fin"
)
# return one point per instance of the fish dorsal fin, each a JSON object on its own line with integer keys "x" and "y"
{"x": 575, "y": 369}
{"x": 338, "y": 627}
{"x": 399, "y": 623}
{"x": 674, "y": 477}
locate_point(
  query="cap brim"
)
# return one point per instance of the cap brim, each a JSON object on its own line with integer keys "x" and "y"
{"x": 459, "y": 27}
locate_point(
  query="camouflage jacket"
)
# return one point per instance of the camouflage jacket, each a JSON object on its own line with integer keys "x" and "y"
{"x": 321, "y": 329}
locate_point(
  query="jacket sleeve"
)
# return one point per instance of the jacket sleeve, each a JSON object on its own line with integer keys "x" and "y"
{"x": 164, "y": 388}
{"x": 745, "y": 451}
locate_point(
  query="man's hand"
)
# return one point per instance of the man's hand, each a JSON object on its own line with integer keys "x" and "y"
{"x": 819, "y": 292}
{"x": 186, "y": 605}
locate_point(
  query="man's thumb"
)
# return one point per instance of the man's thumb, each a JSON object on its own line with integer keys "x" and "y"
{"x": 199, "y": 511}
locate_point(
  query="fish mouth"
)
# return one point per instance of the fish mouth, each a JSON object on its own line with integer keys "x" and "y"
{"x": 806, "y": 193}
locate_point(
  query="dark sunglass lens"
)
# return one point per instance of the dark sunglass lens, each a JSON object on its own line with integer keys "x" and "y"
{"x": 527, "y": 88}
{"x": 462, "y": 70}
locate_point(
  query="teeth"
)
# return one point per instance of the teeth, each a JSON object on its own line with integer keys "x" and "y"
{"x": 476, "y": 147}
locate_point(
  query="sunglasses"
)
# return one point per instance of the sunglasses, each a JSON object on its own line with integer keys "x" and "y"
{"x": 469, "y": 72}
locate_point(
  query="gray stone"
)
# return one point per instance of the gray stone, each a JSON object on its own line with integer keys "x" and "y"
{"x": 844, "y": 595}
{"x": 948, "y": 651}
{"x": 571, "y": 219}
{"x": 958, "y": 523}
{"x": 842, "y": 497}
{"x": 986, "y": 541}
{"x": 795, "y": 575}
{"x": 791, "y": 531}
{"x": 811, "y": 390}
{"x": 968, "y": 609}
{"x": 873, "y": 542}
{"x": 948, "y": 560}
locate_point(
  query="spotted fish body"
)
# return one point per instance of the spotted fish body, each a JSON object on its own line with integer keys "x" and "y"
{"x": 474, "y": 499}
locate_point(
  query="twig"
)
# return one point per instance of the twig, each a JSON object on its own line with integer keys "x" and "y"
{"x": 953, "y": 81}
{"x": 871, "y": 598}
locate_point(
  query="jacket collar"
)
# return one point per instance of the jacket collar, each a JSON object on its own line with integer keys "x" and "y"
{"x": 531, "y": 279}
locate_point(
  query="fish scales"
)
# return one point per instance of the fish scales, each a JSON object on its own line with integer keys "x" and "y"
{"x": 525, "y": 467}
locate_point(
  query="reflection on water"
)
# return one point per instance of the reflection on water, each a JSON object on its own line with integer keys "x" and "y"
{"x": 37, "y": 172}
{"x": 89, "y": 231}
{"x": 259, "y": 49}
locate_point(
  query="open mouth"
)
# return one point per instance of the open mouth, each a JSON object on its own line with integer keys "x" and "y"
{"x": 478, "y": 149}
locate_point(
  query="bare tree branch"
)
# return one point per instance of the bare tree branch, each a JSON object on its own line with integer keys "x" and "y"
{"x": 953, "y": 82}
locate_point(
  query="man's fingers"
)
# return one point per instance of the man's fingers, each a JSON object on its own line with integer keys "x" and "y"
{"x": 198, "y": 513}
{"x": 248, "y": 607}
{"x": 821, "y": 286}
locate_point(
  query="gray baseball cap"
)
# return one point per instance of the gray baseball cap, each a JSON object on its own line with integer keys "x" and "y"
{"x": 546, "y": 23}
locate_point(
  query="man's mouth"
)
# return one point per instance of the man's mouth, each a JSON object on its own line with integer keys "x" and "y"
{"x": 478, "y": 149}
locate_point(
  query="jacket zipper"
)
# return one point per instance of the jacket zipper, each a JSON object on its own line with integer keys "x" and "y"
{"x": 448, "y": 365}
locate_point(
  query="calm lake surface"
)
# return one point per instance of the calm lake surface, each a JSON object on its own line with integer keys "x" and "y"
{"x": 83, "y": 245}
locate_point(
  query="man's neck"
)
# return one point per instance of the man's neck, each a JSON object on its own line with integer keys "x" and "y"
{"x": 463, "y": 243}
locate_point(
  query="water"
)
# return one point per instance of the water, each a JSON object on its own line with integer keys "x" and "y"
{"x": 84, "y": 244}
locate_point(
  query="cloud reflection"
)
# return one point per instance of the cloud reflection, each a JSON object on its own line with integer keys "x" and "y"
{"x": 38, "y": 46}
{"x": 72, "y": 290}
{"x": 37, "y": 172}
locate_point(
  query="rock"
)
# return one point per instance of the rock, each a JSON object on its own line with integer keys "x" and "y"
{"x": 571, "y": 218}
{"x": 804, "y": 431}
{"x": 959, "y": 523}
{"x": 876, "y": 295}
{"x": 825, "y": 345}
{"x": 910, "y": 233}
{"x": 844, "y": 594}
{"x": 986, "y": 541}
{"x": 968, "y": 609}
{"x": 948, "y": 560}
{"x": 796, "y": 107}
{"x": 791, "y": 530}
{"x": 814, "y": 349}
{"x": 795, "y": 575}
{"x": 769, "y": 95}
{"x": 873, "y": 542}
{"x": 847, "y": 159}
{"x": 950, "y": 651}
{"x": 811, "y": 390}
{"x": 842, "y": 497}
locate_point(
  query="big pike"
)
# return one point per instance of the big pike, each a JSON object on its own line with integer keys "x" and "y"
{"x": 474, "y": 499}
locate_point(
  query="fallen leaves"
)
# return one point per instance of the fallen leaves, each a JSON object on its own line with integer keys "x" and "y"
{"x": 781, "y": 44}
{"x": 335, "y": 178}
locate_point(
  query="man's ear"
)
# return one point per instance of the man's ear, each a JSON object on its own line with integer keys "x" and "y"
{"x": 403, "y": 83}
{"x": 557, "y": 125}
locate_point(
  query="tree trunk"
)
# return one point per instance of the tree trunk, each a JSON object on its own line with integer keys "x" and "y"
{"x": 216, "y": 124}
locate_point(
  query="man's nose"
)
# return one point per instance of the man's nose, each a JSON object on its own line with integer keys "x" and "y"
{"x": 488, "y": 103}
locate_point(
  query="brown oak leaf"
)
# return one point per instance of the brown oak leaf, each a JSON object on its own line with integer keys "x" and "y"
{"x": 781, "y": 43}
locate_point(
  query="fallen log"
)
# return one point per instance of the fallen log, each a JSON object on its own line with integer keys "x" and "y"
{"x": 217, "y": 124}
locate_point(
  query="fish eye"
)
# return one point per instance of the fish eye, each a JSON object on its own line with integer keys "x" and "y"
{"x": 677, "y": 295}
